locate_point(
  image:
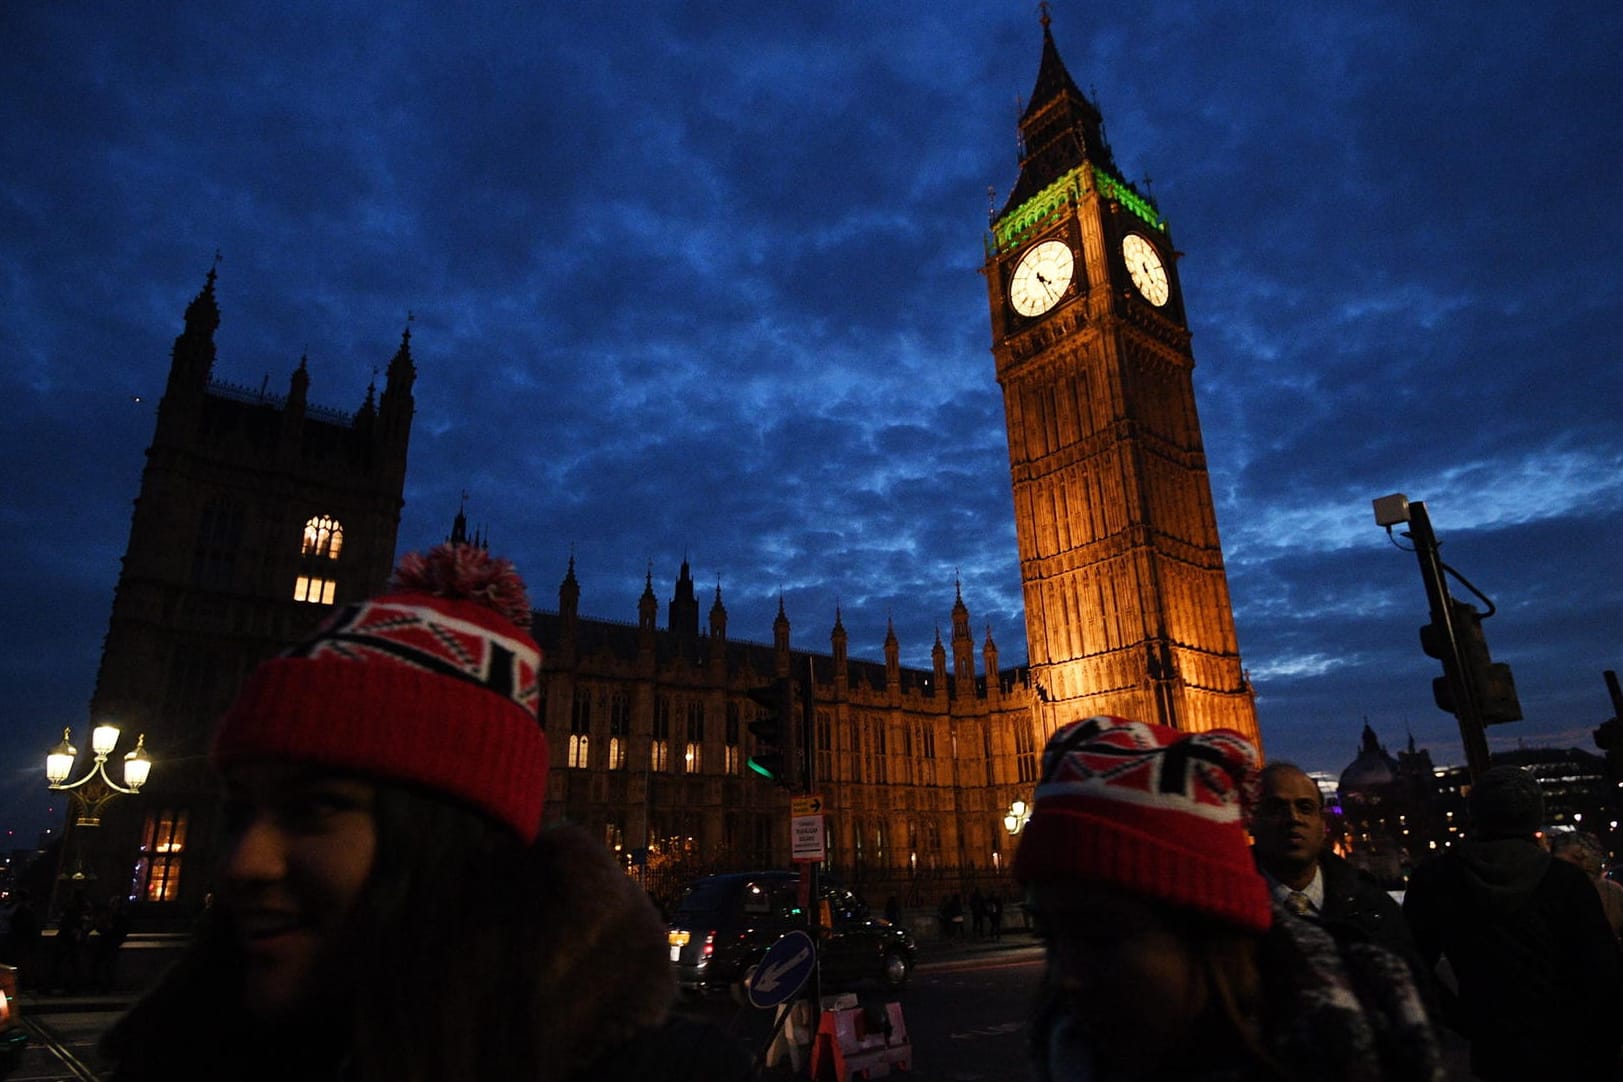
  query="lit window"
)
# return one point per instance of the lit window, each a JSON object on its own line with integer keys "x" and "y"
{"x": 735, "y": 760}
{"x": 157, "y": 870}
{"x": 323, "y": 539}
{"x": 617, "y": 753}
{"x": 579, "y": 745}
{"x": 693, "y": 758}
{"x": 314, "y": 590}
{"x": 323, "y": 536}
{"x": 659, "y": 752}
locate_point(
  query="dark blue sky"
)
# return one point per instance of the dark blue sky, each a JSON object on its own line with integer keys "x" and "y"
{"x": 702, "y": 280}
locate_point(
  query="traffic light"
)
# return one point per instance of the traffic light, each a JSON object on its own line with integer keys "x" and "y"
{"x": 1434, "y": 641}
{"x": 774, "y": 748}
{"x": 1491, "y": 683}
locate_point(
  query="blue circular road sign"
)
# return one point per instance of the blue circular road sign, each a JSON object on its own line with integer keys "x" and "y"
{"x": 782, "y": 970}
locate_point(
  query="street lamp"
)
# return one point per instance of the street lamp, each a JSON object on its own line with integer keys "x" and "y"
{"x": 1015, "y": 821}
{"x": 92, "y": 792}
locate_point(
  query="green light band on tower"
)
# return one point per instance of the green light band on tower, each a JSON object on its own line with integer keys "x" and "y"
{"x": 1017, "y": 226}
{"x": 1024, "y": 220}
{"x": 1112, "y": 188}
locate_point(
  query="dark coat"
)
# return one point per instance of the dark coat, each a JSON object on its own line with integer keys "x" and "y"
{"x": 1357, "y": 909}
{"x": 1540, "y": 978}
{"x": 1355, "y": 901}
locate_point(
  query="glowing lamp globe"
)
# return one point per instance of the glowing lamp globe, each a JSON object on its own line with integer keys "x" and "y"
{"x": 59, "y": 761}
{"x": 103, "y": 739}
{"x": 137, "y": 764}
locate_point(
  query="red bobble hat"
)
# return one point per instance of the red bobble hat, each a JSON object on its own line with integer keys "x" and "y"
{"x": 435, "y": 684}
{"x": 1151, "y": 810}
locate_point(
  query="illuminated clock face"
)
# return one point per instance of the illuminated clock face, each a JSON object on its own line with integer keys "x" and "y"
{"x": 1041, "y": 278}
{"x": 1145, "y": 268}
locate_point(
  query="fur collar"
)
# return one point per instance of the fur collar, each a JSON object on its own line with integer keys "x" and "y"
{"x": 605, "y": 973}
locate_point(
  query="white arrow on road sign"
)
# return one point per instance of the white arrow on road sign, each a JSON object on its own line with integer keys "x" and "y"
{"x": 767, "y": 980}
{"x": 782, "y": 970}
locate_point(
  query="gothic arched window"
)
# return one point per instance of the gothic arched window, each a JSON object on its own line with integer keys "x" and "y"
{"x": 619, "y": 729}
{"x": 317, "y": 582}
{"x": 323, "y": 536}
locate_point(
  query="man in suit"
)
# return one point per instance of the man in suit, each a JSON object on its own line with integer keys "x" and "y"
{"x": 1290, "y": 843}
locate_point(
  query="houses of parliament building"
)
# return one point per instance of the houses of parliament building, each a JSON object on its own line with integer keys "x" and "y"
{"x": 258, "y": 513}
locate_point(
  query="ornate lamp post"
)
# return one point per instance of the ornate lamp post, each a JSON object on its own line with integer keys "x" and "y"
{"x": 90, "y": 794}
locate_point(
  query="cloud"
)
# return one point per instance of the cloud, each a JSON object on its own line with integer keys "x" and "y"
{"x": 701, "y": 282}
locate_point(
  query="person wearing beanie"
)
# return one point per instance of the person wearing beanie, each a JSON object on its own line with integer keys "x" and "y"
{"x": 388, "y": 905}
{"x": 1166, "y": 956}
{"x": 1540, "y": 983}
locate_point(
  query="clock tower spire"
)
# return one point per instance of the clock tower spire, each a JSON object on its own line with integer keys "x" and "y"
{"x": 1127, "y": 602}
{"x": 1059, "y": 129}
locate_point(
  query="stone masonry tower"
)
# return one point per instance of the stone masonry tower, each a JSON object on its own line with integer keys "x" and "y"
{"x": 258, "y": 514}
{"x": 1127, "y": 602}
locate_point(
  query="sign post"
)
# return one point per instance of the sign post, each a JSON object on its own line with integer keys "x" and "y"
{"x": 806, "y": 839}
{"x": 778, "y": 978}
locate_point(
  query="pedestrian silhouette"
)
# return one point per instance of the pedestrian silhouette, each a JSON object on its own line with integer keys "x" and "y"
{"x": 109, "y": 928}
{"x": 1540, "y": 981}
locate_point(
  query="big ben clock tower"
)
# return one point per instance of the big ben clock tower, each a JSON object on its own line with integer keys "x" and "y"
{"x": 1127, "y": 602}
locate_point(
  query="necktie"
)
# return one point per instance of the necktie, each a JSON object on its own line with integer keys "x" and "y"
{"x": 1297, "y": 903}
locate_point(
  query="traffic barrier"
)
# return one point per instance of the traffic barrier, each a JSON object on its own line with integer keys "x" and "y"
{"x": 861, "y": 1042}
{"x": 793, "y": 1043}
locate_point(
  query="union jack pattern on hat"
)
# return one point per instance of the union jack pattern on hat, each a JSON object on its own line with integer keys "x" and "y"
{"x": 423, "y": 635}
{"x": 1148, "y": 809}
{"x": 435, "y": 684}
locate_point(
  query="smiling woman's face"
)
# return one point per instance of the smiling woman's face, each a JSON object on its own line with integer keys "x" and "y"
{"x": 1131, "y": 982}
{"x": 299, "y": 849}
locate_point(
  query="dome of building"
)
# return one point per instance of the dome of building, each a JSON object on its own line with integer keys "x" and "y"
{"x": 1370, "y": 777}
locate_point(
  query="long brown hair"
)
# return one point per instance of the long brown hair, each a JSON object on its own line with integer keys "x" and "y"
{"x": 1229, "y": 1029}
{"x": 456, "y": 939}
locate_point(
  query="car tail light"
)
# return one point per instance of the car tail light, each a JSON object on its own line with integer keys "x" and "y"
{"x": 8, "y": 995}
{"x": 709, "y": 944}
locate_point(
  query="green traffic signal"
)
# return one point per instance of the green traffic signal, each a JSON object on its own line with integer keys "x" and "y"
{"x": 769, "y": 767}
{"x": 770, "y": 728}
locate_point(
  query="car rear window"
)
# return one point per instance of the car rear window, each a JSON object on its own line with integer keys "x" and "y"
{"x": 705, "y": 899}
{"x": 725, "y": 901}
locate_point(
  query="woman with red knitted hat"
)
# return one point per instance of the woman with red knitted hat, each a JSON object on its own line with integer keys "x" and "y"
{"x": 388, "y": 906}
{"x": 1166, "y": 956}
